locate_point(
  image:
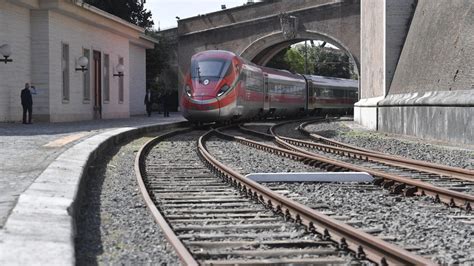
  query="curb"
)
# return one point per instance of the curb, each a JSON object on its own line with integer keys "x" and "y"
{"x": 41, "y": 228}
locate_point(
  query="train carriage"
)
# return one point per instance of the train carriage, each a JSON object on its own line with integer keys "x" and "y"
{"x": 221, "y": 86}
{"x": 286, "y": 92}
{"x": 329, "y": 94}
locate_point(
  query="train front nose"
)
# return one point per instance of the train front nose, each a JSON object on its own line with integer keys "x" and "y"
{"x": 201, "y": 109}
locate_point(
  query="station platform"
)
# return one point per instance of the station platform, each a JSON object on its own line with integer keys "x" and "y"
{"x": 41, "y": 166}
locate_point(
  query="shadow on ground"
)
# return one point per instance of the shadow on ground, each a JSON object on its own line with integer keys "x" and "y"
{"x": 88, "y": 243}
{"x": 327, "y": 133}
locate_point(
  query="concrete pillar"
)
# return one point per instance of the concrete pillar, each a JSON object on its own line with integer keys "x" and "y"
{"x": 372, "y": 62}
{"x": 384, "y": 26}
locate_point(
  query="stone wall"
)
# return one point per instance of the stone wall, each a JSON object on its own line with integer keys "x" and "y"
{"x": 439, "y": 51}
{"x": 244, "y": 13}
{"x": 399, "y": 14}
{"x": 432, "y": 92}
{"x": 442, "y": 115}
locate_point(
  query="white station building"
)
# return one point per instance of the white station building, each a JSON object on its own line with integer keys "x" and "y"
{"x": 47, "y": 38}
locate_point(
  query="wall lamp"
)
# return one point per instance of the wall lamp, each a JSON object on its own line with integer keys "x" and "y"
{"x": 6, "y": 51}
{"x": 120, "y": 69}
{"x": 82, "y": 62}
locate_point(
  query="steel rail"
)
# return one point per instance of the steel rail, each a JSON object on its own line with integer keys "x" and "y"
{"x": 443, "y": 171}
{"x": 449, "y": 171}
{"x": 256, "y": 133}
{"x": 302, "y": 129}
{"x": 452, "y": 198}
{"x": 182, "y": 252}
{"x": 368, "y": 155}
{"x": 362, "y": 244}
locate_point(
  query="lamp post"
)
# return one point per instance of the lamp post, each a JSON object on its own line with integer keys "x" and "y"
{"x": 82, "y": 62}
{"x": 120, "y": 69}
{"x": 6, "y": 51}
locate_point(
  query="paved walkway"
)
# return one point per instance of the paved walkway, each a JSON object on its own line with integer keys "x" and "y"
{"x": 27, "y": 150}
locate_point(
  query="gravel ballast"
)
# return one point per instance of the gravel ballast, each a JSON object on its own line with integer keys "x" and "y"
{"x": 114, "y": 227}
{"x": 416, "y": 223}
{"x": 397, "y": 145}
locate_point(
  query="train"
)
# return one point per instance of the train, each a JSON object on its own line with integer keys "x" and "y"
{"x": 222, "y": 87}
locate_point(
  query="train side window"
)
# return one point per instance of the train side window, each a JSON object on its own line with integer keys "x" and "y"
{"x": 229, "y": 70}
{"x": 244, "y": 76}
{"x": 325, "y": 92}
{"x": 338, "y": 93}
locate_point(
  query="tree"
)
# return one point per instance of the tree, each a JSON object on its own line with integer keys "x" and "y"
{"x": 320, "y": 61}
{"x": 295, "y": 60}
{"x": 161, "y": 76}
{"x": 288, "y": 59}
{"x": 157, "y": 59}
{"x": 278, "y": 61}
{"x": 132, "y": 11}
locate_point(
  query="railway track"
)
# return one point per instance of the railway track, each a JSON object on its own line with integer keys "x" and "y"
{"x": 213, "y": 215}
{"x": 332, "y": 146}
{"x": 397, "y": 174}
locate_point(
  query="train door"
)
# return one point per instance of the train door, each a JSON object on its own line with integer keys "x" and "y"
{"x": 266, "y": 101}
{"x": 307, "y": 94}
{"x": 97, "y": 85}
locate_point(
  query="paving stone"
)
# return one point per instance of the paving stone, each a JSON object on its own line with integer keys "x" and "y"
{"x": 58, "y": 253}
{"x": 39, "y": 184}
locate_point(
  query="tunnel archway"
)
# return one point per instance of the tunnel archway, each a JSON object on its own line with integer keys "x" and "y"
{"x": 265, "y": 48}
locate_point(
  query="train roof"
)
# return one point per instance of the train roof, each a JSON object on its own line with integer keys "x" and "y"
{"x": 215, "y": 53}
{"x": 332, "y": 81}
{"x": 280, "y": 72}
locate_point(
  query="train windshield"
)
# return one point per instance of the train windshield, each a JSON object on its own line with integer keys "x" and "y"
{"x": 210, "y": 68}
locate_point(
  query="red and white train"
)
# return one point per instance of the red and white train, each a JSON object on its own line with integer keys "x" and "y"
{"x": 222, "y": 86}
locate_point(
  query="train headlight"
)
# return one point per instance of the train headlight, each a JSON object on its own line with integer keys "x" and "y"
{"x": 223, "y": 90}
{"x": 188, "y": 90}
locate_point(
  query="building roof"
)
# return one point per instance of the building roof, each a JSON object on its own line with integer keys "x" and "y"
{"x": 86, "y": 13}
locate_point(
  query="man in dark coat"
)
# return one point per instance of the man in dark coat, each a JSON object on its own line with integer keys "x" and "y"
{"x": 26, "y": 103}
{"x": 166, "y": 103}
{"x": 148, "y": 101}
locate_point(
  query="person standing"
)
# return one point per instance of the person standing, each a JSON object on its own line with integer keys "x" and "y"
{"x": 26, "y": 103}
{"x": 148, "y": 102}
{"x": 166, "y": 103}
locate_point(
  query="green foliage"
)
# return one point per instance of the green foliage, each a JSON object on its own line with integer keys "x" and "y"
{"x": 156, "y": 59}
{"x": 295, "y": 60}
{"x": 132, "y": 11}
{"x": 278, "y": 61}
{"x": 320, "y": 61}
{"x": 160, "y": 75}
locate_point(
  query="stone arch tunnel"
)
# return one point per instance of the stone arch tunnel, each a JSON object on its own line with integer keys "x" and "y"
{"x": 258, "y": 32}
